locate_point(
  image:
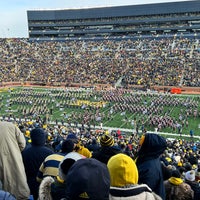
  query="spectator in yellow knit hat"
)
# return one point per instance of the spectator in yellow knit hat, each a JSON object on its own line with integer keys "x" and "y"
{"x": 124, "y": 180}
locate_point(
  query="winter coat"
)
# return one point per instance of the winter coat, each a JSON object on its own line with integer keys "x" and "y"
{"x": 33, "y": 158}
{"x": 58, "y": 190}
{"x": 49, "y": 166}
{"x": 195, "y": 186}
{"x": 180, "y": 191}
{"x": 44, "y": 192}
{"x": 149, "y": 164}
{"x": 52, "y": 189}
{"x": 136, "y": 192}
{"x": 12, "y": 172}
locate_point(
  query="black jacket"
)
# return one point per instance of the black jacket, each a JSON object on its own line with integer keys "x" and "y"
{"x": 105, "y": 153}
{"x": 196, "y": 188}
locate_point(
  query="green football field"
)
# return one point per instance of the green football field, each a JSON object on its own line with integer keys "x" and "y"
{"x": 112, "y": 109}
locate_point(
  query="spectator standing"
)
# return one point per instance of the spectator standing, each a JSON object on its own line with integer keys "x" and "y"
{"x": 107, "y": 149}
{"x": 177, "y": 189}
{"x": 89, "y": 179}
{"x": 151, "y": 146}
{"x": 34, "y": 156}
{"x": 56, "y": 188}
{"x": 190, "y": 180}
{"x": 12, "y": 172}
{"x": 124, "y": 180}
{"x": 93, "y": 146}
{"x": 49, "y": 166}
{"x": 78, "y": 146}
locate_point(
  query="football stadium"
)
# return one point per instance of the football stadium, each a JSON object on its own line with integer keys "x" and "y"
{"x": 106, "y": 76}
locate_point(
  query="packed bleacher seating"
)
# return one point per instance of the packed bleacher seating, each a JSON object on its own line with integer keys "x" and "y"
{"x": 148, "y": 62}
{"x": 179, "y": 155}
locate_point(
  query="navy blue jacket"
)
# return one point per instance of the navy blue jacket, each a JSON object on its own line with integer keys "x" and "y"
{"x": 105, "y": 153}
{"x": 33, "y": 158}
{"x": 149, "y": 164}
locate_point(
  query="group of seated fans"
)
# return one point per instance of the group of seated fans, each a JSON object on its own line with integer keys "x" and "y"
{"x": 149, "y": 62}
{"x": 76, "y": 165}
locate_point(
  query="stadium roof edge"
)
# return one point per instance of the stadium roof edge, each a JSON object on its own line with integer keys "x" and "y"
{"x": 115, "y": 11}
{"x": 113, "y": 6}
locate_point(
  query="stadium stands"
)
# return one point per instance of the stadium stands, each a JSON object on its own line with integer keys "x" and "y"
{"x": 148, "y": 63}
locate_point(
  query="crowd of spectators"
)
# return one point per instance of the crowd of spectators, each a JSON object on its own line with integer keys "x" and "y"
{"x": 162, "y": 166}
{"x": 169, "y": 61}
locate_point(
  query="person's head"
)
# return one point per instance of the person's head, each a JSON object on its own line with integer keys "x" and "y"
{"x": 175, "y": 173}
{"x": 175, "y": 178}
{"x": 67, "y": 162}
{"x": 88, "y": 179}
{"x": 190, "y": 175}
{"x": 106, "y": 140}
{"x": 123, "y": 170}
{"x": 22, "y": 128}
{"x": 38, "y": 136}
{"x": 187, "y": 166}
{"x": 197, "y": 174}
{"x": 67, "y": 146}
{"x": 73, "y": 138}
{"x": 152, "y": 145}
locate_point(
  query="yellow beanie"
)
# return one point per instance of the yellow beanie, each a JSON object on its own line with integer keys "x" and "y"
{"x": 30, "y": 122}
{"x": 44, "y": 126}
{"x": 27, "y": 133}
{"x": 168, "y": 159}
{"x": 123, "y": 170}
{"x": 180, "y": 164}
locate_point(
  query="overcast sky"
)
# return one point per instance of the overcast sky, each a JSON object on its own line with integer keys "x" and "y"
{"x": 13, "y": 13}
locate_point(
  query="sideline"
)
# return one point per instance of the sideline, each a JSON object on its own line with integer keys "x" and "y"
{"x": 133, "y": 131}
{"x": 110, "y": 128}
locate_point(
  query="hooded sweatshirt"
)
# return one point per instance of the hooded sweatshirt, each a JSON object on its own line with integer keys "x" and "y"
{"x": 148, "y": 162}
{"x": 124, "y": 180}
{"x": 33, "y": 158}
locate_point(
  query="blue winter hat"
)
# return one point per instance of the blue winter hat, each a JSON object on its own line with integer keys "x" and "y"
{"x": 38, "y": 136}
{"x": 72, "y": 136}
{"x": 88, "y": 179}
